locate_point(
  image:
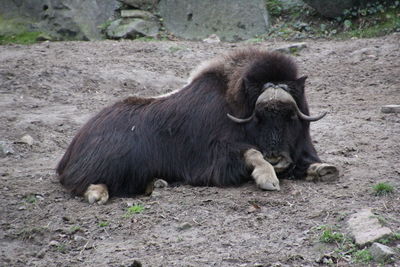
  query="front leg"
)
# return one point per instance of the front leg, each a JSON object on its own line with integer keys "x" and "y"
{"x": 263, "y": 172}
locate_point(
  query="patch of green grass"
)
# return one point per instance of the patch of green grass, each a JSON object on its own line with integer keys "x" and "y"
{"x": 344, "y": 246}
{"x": 104, "y": 224}
{"x": 345, "y": 249}
{"x": 389, "y": 239}
{"x": 331, "y": 236}
{"x": 274, "y": 7}
{"x": 388, "y": 23}
{"x": 362, "y": 256}
{"x": 382, "y": 189}
{"x": 20, "y": 38}
{"x": 301, "y": 21}
{"x": 135, "y": 209}
{"x": 13, "y": 31}
{"x": 31, "y": 198}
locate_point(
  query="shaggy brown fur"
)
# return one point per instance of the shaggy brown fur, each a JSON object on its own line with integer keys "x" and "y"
{"x": 251, "y": 64}
{"x": 186, "y": 136}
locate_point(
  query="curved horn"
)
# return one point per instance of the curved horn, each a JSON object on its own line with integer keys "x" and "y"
{"x": 309, "y": 118}
{"x": 238, "y": 120}
{"x": 279, "y": 93}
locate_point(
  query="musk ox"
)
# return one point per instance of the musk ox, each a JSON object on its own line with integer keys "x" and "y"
{"x": 242, "y": 116}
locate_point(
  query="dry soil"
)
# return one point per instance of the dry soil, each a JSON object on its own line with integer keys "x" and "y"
{"x": 49, "y": 90}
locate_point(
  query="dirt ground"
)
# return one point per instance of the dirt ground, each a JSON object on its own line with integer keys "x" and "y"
{"x": 49, "y": 90}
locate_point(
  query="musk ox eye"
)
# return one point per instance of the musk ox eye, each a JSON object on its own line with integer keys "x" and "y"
{"x": 292, "y": 116}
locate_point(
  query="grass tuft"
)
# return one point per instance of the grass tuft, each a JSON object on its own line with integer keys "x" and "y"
{"x": 104, "y": 224}
{"x": 20, "y": 38}
{"x": 330, "y": 236}
{"x": 362, "y": 256}
{"x": 135, "y": 209}
{"x": 382, "y": 189}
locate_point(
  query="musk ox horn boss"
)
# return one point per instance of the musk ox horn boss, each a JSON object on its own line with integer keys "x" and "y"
{"x": 242, "y": 116}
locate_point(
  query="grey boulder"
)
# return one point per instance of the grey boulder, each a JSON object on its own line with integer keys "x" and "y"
{"x": 230, "y": 20}
{"x": 131, "y": 28}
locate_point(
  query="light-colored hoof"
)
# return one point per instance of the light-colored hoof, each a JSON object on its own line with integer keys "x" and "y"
{"x": 97, "y": 193}
{"x": 322, "y": 172}
{"x": 266, "y": 179}
{"x": 270, "y": 186}
{"x": 160, "y": 183}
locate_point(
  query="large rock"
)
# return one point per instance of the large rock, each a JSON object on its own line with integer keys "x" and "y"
{"x": 365, "y": 227}
{"x": 332, "y": 9}
{"x": 31, "y": 9}
{"x": 78, "y": 19}
{"x": 231, "y": 20}
{"x": 62, "y": 19}
{"x": 381, "y": 252}
{"x": 132, "y": 28}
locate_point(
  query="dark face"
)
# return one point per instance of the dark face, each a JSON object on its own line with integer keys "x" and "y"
{"x": 277, "y": 133}
{"x": 279, "y": 122}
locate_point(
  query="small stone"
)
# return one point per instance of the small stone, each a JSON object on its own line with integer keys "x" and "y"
{"x": 44, "y": 37}
{"x": 212, "y": 39}
{"x": 5, "y": 149}
{"x": 155, "y": 194}
{"x": 26, "y": 139}
{"x": 381, "y": 252}
{"x": 365, "y": 227}
{"x": 252, "y": 209}
{"x": 160, "y": 183}
{"x": 184, "y": 226}
{"x": 390, "y": 109}
{"x": 80, "y": 239}
{"x": 54, "y": 243}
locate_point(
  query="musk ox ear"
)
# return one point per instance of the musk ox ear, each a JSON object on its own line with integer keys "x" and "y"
{"x": 300, "y": 82}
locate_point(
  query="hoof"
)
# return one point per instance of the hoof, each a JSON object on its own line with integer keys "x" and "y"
{"x": 270, "y": 186}
{"x": 322, "y": 172}
{"x": 266, "y": 178}
{"x": 160, "y": 183}
{"x": 97, "y": 193}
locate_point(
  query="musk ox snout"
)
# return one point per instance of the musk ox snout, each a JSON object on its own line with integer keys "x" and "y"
{"x": 281, "y": 161}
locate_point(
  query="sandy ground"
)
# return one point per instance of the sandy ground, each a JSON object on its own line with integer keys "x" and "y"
{"x": 49, "y": 90}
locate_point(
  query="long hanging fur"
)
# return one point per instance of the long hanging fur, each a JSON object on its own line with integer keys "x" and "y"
{"x": 184, "y": 136}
